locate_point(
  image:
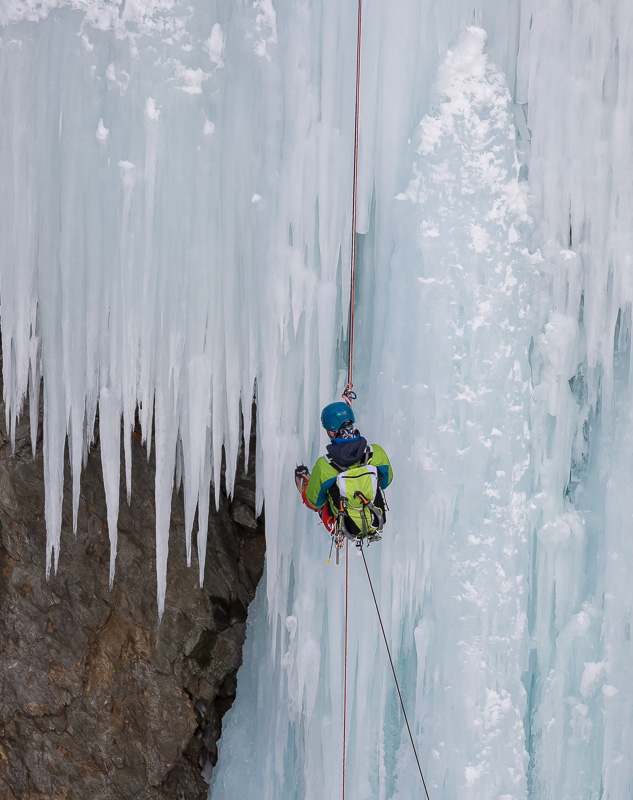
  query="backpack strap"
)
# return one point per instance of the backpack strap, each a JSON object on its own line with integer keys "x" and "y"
{"x": 377, "y": 521}
{"x": 333, "y": 463}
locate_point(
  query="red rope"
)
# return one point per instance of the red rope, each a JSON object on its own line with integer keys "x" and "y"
{"x": 350, "y": 366}
{"x": 345, "y": 669}
{"x": 348, "y": 394}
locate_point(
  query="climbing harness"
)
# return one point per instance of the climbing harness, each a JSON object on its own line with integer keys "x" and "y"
{"x": 360, "y": 500}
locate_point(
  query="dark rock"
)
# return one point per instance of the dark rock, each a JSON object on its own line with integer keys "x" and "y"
{"x": 96, "y": 700}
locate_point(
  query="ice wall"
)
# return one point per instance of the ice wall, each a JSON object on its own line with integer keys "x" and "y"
{"x": 580, "y": 175}
{"x": 514, "y": 648}
{"x": 450, "y": 398}
{"x": 174, "y": 238}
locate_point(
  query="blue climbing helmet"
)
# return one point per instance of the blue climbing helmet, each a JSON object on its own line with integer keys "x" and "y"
{"x": 334, "y": 415}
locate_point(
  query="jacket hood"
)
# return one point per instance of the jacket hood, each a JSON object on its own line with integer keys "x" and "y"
{"x": 347, "y": 452}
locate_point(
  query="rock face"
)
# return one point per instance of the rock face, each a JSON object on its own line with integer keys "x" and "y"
{"x": 96, "y": 700}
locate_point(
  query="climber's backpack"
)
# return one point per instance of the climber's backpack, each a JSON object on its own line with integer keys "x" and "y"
{"x": 360, "y": 504}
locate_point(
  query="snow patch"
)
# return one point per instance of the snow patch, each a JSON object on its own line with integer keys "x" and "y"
{"x": 214, "y": 45}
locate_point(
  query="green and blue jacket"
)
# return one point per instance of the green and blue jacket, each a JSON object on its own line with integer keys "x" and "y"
{"x": 346, "y": 453}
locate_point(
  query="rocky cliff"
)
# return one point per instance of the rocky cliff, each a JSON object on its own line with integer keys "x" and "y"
{"x": 96, "y": 700}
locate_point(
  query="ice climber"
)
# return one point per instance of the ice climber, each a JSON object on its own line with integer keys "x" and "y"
{"x": 345, "y": 486}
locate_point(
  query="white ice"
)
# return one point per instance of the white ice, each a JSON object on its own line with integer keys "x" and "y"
{"x": 175, "y": 213}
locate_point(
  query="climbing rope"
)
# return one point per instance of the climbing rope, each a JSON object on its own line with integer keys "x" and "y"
{"x": 345, "y": 668}
{"x": 348, "y": 393}
{"x": 384, "y": 636}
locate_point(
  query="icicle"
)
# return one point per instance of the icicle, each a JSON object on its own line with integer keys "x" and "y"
{"x": 110, "y": 438}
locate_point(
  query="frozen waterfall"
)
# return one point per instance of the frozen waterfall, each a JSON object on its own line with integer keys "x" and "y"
{"x": 175, "y": 232}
